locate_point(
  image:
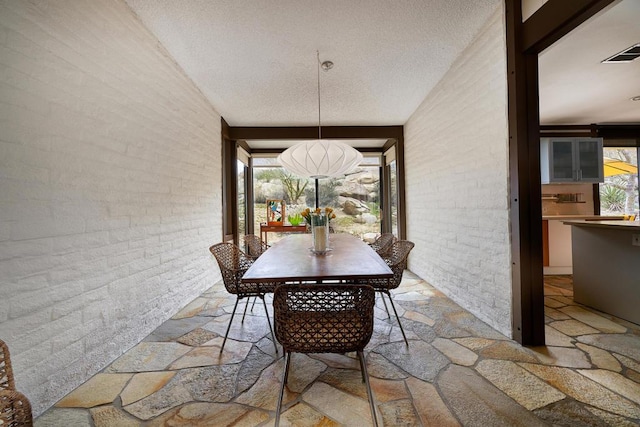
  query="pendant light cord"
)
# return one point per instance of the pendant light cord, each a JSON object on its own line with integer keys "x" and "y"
{"x": 319, "y": 123}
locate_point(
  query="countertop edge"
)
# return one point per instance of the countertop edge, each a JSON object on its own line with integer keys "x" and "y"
{"x": 631, "y": 225}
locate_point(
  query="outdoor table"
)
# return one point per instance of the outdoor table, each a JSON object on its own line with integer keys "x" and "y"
{"x": 291, "y": 260}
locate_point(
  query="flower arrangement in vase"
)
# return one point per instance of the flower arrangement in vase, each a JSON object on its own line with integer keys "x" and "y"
{"x": 319, "y": 221}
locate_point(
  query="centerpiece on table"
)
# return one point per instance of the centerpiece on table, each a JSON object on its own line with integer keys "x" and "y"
{"x": 319, "y": 221}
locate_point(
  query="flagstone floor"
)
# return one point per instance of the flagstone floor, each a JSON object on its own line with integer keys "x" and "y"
{"x": 456, "y": 371}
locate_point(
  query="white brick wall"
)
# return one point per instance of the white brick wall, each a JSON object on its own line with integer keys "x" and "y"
{"x": 456, "y": 150}
{"x": 110, "y": 189}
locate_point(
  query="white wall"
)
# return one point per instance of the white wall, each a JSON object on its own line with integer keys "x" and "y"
{"x": 456, "y": 151}
{"x": 110, "y": 189}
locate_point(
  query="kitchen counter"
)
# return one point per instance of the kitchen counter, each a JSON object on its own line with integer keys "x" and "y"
{"x": 606, "y": 266}
{"x": 583, "y": 217}
{"x": 620, "y": 225}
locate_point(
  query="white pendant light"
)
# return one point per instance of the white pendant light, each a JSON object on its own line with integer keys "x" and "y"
{"x": 320, "y": 158}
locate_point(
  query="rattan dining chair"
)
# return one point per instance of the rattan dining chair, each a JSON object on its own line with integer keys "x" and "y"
{"x": 15, "y": 409}
{"x": 382, "y": 244}
{"x": 321, "y": 318}
{"x": 233, "y": 264}
{"x": 396, "y": 258}
{"x": 255, "y": 246}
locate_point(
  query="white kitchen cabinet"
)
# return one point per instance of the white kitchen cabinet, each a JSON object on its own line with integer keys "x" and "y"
{"x": 564, "y": 160}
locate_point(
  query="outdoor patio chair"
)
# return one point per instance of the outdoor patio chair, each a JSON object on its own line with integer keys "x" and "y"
{"x": 15, "y": 409}
{"x": 396, "y": 258}
{"x": 255, "y": 246}
{"x": 324, "y": 318}
{"x": 233, "y": 264}
{"x": 383, "y": 243}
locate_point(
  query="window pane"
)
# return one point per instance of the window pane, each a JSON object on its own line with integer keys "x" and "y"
{"x": 619, "y": 192}
{"x": 393, "y": 202}
{"x": 242, "y": 203}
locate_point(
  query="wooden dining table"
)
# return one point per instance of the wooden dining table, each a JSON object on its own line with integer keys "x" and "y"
{"x": 291, "y": 260}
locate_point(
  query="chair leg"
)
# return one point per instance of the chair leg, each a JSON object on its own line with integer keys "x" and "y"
{"x": 229, "y": 327}
{"x": 287, "y": 360}
{"x": 254, "y": 303}
{"x": 365, "y": 374}
{"x": 273, "y": 337}
{"x": 245, "y": 309}
{"x": 385, "y": 305}
{"x": 397, "y": 317}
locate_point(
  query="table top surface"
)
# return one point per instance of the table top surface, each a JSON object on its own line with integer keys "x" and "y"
{"x": 291, "y": 260}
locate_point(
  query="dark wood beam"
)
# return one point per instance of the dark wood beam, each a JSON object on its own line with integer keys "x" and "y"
{"x": 311, "y": 132}
{"x": 525, "y": 197}
{"x": 555, "y": 19}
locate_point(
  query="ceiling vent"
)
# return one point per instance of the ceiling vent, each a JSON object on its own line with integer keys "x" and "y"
{"x": 626, "y": 55}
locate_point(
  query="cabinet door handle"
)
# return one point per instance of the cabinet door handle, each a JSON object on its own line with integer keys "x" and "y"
{"x": 579, "y": 174}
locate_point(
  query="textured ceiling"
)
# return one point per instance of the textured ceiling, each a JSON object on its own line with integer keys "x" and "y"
{"x": 576, "y": 88}
{"x": 255, "y": 60}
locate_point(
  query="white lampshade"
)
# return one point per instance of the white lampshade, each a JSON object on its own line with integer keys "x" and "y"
{"x": 320, "y": 159}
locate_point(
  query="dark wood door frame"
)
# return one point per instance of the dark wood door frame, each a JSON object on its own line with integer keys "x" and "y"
{"x": 525, "y": 40}
{"x": 232, "y": 137}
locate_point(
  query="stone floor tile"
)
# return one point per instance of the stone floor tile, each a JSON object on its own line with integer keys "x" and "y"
{"x": 613, "y": 420}
{"x": 419, "y": 317}
{"x": 561, "y": 356}
{"x": 379, "y": 367}
{"x": 191, "y": 309}
{"x": 464, "y": 324}
{"x": 475, "y": 401}
{"x": 628, "y": 362}
{"x": 573, "y": 327}
{"x": 398, "y": 413}
{"x": 410, "y": 296}
{"x": 570, "y": 413}
{"x": 149, "y": 356}
{"x": 552, "y": 290}
{"x": 600, "y": 358}
{"x": 303, "y": 370}
{"x": 555, "y": 338}
{"x": 615, "y": 382}
{"x": 583, "y": 389}
{"x": 252, "y": 329}
{"x": 524, "y": 387}
{"x": 431, "y": 410}
{"x": 56, "y": 417}
{"x": 264, "y": 393}
{"x": 346, "y": 380}
{"x": 384, "y": 390}
{"x": 553, "y": 303}
{"x": 251, "y": 368}
{"x": 143, "y": 385}
{"x": 627, "y": 345}
{"x": 594, "y": 320}
{"x": 210, "y": 414}
{"x": 110, "y": 416}
{"x": 474, "y": 343}
{"x": 455, "y": 352}
{"x": 334, "y": 360}
{"x": 210, "y": 384}
{"x": 333, "y": 402}
{"x": 563, "y": 299}
{"x": 173, "y": 329}
{"x": 234, "y": 352}
{"x": 555, "y": 314}
{"x": 197, "y": 337}
{"x": 508, "y": 350}
{"x": 303, "y": 415}
{"x": 99, "y": 390}
{"x": 420, "y": 359}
